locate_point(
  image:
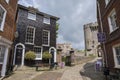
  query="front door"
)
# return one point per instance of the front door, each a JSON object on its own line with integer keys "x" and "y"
{"x": 18, "y": 58}
{"x": 52, "y": 53}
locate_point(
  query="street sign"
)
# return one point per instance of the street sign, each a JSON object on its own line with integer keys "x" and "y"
{"x": 101, "y": 37}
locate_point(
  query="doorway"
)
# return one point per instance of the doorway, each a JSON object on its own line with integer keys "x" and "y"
{"x": 18, "y": 57}
{"x": 19, "y": 54}
{"x": 52, "y": 51}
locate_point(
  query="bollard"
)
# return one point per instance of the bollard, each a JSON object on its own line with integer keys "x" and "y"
{"x": 36, "y": 68}
{"x": 56, "y": 64}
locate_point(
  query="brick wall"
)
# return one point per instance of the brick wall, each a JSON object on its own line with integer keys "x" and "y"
{"x": 114, "y": 37}
{"x": 9, "y": 26}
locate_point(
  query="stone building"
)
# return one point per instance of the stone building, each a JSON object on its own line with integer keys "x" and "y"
{"x": 67, "y": 53}
{"x": 36, "y": 32}
{"x": 66, "y": 48}
{"x": 108, "y": 16}
{"x": 91, "y": 40}
{"x": 7, "y": 28}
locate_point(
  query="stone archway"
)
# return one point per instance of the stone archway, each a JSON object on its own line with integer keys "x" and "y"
{"x": 19, "y": 54}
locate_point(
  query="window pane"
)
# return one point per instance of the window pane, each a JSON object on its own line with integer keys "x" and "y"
{"x": 118, "y": 59}
{"x": 37, "y": 50}
{"x": 32, "y": 16}
{"x": 45, "y": 38}
{"x": 1, "y": 12}
{"x": 107, "y": 1}
{"x": 46, "y": 20}
{"x": 7, "y": 1}
{"x": 38, "y": 56}
{"x": 117, "y": 51}
{"x": 112, "y": 21}
{"x": 30, "y": 35}
{"x": 2, "y": 52}
{"x": 1, "y": 15}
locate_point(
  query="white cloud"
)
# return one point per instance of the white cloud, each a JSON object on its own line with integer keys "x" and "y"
{"x": 60, "y": 39}
{"x": 26, "y": 2}
{"x": 36, "y": 5}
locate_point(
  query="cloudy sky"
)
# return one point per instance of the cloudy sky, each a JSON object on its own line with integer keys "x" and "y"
{"x": 73, "y": 15}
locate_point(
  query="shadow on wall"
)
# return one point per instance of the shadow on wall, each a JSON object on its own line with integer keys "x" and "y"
{"x": 89, "y": 71}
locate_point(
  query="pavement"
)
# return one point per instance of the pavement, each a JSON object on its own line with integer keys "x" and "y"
{"x": 49, "y": 76}
{"x": 24, "y": 73}
{"x": 88, "y": 72}
{"x": 72, "y": 73}
{"x": 82, "y": 71}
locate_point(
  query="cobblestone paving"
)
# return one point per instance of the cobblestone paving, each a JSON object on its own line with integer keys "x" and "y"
{"x": 48, "y": 76}
{"x": 83, "y": 71}
{"x": 67, "y": 73}
{"x": 26, "y": 74}
{"x": 72, "y": 73}
{"x": 88, "y": 72}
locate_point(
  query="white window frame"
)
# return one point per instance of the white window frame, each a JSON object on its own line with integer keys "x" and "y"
{"x": 46, "y": 20}
{"x": 115, "y": 56}
{"x": 113, "y": 12}
{"x": 107, "y": 1}
{"x": 40, "y": 52}
{"x": 4, "y": 17}
{"x": 31, "y": 16}
{"x": 7, "y": 1}
{"x": 48, "y": 38}
{"x": 33, "y": 35}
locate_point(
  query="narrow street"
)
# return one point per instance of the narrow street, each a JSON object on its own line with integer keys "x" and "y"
{"x": 85, "y": 71}
{"x": 69, "y": 73}
{"x": 59, "y": 39}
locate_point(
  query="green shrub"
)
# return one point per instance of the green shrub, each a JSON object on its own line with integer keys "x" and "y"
{"x": 46, "y": 55}
{"x": 30, "y": 55}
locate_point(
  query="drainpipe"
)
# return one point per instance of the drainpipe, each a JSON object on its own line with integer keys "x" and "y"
{"x": 101, "y": 26}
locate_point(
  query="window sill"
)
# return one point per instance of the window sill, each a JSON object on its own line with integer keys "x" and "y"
{"x": 114, "y": 30}
{"x": 29, "y": 43}
{"x": 117, "y": 67}
{"x": 32, "y": 19}
{"x": 38, "y": 58}
{"x": 47, "y": 23}
{"x": 45, "y": 45}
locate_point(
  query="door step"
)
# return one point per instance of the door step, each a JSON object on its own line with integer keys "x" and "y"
{"x": 18, "y": 68}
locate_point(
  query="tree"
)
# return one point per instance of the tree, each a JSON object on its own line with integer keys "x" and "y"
{"x": 46, "y": 55}
{"x": 29, "y": 58}
{"x": 30, "y": 55}
{"x": 57, "y": 28}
